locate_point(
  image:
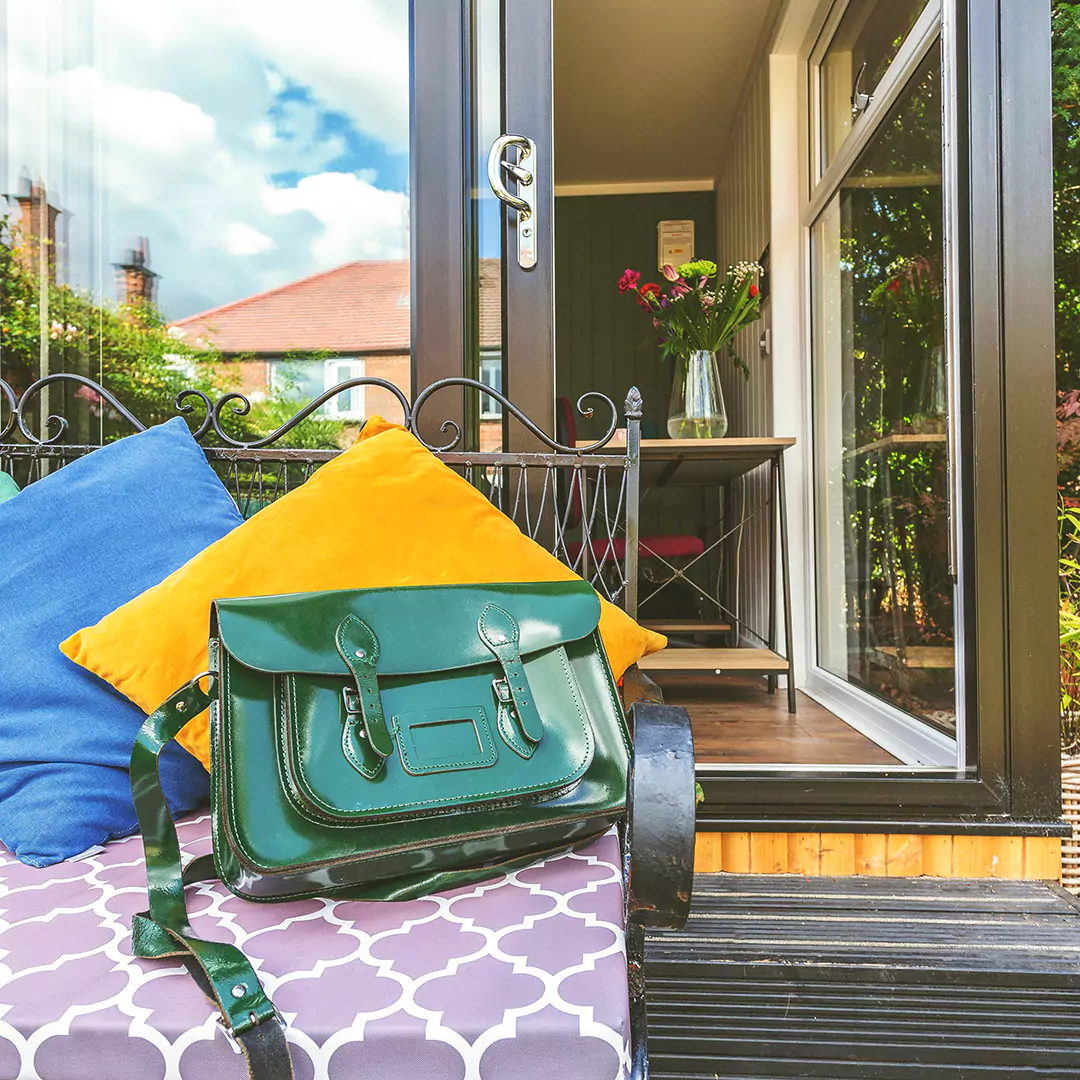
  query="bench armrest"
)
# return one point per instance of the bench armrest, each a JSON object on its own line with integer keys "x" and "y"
{"x": 661, "y": 807}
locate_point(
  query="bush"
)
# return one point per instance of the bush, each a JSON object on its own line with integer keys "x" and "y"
{"x": 129, "y": 351}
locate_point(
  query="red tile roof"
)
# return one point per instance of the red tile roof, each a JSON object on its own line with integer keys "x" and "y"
{"x": 361, "y": 307}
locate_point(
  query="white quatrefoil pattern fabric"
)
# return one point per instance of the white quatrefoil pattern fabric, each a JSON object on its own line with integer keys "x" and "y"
{"x": 520, "y": 978}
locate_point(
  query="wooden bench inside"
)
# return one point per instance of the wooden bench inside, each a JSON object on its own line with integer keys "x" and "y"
{"x": 715, "y": 660}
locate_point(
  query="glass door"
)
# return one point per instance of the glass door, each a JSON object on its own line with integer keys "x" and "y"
{"x": 511, "y": 279}
{"x": 233, "y": 198}
{"x": 887, "y": 606}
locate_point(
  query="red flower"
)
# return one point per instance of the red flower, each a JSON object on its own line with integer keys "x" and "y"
{"x": 753, "y": 291}
{"x": 628, "y": 281}
{"x": 894, "y": 285}
{"x": 648, "y": 295}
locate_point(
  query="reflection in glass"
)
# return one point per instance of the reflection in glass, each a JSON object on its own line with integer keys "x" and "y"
{"x": 885, "y": 595}
{"x": 866, "y": 41}
{"x": 198, "y": 192}
{"x": 487, "y": 276}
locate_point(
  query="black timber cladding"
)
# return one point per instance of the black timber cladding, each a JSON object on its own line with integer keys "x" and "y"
{"x": 884, "y": 978}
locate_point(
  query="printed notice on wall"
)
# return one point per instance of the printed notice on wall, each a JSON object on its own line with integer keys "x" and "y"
{"x": 675, "y": 242}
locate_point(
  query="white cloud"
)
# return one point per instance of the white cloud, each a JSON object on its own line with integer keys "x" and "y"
{"x": 241, "y": 239}
{"x": 353, "y": 54}
{"x": 359, "y": 220}
{"x": 167, "y": 135}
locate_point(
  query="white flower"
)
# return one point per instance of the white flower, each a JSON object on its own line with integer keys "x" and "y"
{"x": 743, "y": 270}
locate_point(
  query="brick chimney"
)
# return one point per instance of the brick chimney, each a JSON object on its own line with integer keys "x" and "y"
{"x": 135, "y": 281}
{"x": 36, "y": 228}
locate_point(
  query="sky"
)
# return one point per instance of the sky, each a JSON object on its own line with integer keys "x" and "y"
{"x": 252, "y": 143}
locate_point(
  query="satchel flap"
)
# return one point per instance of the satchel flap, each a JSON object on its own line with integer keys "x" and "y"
{"x": 419, "y": 628}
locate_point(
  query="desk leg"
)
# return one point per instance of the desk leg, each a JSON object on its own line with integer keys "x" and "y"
{"x": 773, "y": 486}
{"x": 785, "y": 571}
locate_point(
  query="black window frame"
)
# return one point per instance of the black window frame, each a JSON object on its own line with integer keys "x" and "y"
{"x": 1000, "y": 52}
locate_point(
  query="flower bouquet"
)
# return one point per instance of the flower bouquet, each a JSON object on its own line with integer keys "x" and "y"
{"x": 696, "y": 315}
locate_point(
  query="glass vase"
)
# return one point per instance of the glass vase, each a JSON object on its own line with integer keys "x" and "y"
{"x": 697, "y": 402}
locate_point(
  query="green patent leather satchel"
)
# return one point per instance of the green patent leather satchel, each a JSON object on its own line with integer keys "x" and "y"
{"x": 380, "y": 744}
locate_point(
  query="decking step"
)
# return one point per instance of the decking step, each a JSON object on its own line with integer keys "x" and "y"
{"x": 784, "y": 976}
{"x": 717, "y": 661}
{"x": 687, "y": 626}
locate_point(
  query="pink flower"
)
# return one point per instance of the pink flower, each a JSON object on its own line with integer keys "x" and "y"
{"x": 670, "y": 272}
{"x": 628, "y": 281}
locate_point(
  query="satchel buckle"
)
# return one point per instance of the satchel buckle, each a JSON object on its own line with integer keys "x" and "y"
{"x": 253, "y": 1022}
{"x": 502, "y": 692}
{"x": 352, "y": 707}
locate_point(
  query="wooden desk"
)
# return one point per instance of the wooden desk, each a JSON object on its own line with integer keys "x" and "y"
{"x": 705, "y": 462}
{"x": 675, "y": 463}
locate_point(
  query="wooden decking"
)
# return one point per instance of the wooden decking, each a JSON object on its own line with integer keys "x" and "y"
{"x": 867, "y": 978}
{"x": 736, "y": 720}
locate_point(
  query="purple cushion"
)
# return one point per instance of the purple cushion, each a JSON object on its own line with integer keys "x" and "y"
{"x": 523, "y": 977}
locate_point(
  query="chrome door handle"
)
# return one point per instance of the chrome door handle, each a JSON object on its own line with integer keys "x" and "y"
{"x": 524, "y": 202}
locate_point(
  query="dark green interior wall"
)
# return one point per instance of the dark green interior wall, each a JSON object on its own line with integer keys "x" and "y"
{"x": 603, "y": 341}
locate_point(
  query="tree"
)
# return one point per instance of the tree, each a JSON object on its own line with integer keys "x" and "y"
{"x": 1065, "y": 37}
{"x": 1065, "y": 27}
{"x": 129, "y": 350}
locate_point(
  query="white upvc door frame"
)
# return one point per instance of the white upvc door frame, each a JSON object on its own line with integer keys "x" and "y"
{"x": 799, "y": 192}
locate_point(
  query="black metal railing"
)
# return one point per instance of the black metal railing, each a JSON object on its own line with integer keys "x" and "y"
{"x": 579, "y": 502}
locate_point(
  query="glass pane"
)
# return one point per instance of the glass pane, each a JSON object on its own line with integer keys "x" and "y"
{"x": 885, "y": 596}
{"x": 199, "y": 192}
{"x": 867, "y": 40}
{"x": 488, "y": 274}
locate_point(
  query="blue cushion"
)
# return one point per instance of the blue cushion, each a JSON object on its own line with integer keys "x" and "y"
{"x": 74, "y": 546}
{"x": 8, "y": 487}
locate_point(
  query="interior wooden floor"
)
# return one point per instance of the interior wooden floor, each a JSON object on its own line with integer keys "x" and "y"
{"x": 736, "y": 720}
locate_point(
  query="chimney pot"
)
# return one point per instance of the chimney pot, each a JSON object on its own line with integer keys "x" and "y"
{"x": 136, "y": 282}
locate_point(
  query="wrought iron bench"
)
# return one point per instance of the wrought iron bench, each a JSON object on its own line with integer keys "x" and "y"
{"x": 539, "y": 972}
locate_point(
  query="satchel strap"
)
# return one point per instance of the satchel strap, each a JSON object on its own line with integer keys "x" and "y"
{"x": 222, "y": 971}
{"x": 499, "y": 631}
{"x": 359, "y": 648}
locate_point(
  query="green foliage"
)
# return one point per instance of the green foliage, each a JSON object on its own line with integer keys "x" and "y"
{"x": 1065, "y": 27}
{"x": 128, "y": 350}
{"x": 1069, "y": 625}
{"x": 314, "y": 433}
{"x": 1065, "y": 37}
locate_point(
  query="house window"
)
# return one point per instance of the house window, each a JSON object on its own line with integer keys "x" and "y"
{"x": 305, "y": 380}
{"x": 491, "y": 374}
{"x": 349, "y": 404}
{"x": 885, "y": 573}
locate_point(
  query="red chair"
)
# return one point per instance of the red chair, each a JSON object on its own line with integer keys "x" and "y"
{"x": 673, "y": 546}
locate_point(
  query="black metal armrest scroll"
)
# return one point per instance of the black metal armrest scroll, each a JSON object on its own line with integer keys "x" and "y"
{"x": 662, "y": 816}
{"x": 660, "y": 838}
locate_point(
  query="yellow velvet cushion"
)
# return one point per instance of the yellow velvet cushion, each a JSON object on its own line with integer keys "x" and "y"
{"x": 385, "y": 512}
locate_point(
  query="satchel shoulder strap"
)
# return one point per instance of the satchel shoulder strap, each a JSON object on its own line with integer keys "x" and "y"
{"x": 222, "y": 971}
